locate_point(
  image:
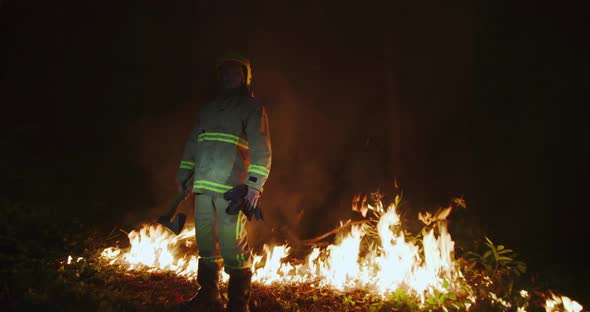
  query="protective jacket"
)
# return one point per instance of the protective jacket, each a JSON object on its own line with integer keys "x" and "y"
{"x": 229, "y": 145}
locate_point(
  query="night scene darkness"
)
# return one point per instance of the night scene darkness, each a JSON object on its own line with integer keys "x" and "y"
{"x": 472, "y": 105}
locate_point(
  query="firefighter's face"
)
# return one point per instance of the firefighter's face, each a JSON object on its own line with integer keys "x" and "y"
{"x": 232, "y": 75}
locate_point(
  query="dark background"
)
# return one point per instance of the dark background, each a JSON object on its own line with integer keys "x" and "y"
{"x": 475, "y": 99}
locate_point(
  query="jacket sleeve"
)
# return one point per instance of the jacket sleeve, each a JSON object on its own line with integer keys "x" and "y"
{"x": 187, "y": 163}
{"x": 260, "y": 150}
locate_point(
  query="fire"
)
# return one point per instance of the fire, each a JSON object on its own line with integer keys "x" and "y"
{"x": 70, "y": 258}
{"x": 155, "y": 248}
{"x": 393, "y": 263}
{"x": 561, "y": 303}
{"x": 422, "y": 268}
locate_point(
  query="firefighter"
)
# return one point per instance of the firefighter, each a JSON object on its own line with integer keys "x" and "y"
{"x": 228, "y": 148}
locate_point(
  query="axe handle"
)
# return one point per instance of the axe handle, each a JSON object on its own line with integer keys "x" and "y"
{"x": 180, "y": 197}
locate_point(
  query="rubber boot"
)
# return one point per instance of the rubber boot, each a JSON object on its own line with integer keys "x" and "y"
{"x": 207, "y": 298}
{"x": 238, "y": 290}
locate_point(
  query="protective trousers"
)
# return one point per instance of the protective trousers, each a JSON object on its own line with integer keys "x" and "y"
{"x": 220, "y": 236}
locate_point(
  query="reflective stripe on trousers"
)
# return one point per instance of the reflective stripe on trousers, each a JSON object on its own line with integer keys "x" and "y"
{"x": 220, "y": 235}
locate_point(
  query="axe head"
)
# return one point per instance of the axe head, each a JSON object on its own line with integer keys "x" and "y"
{"x": 175, "y": 225}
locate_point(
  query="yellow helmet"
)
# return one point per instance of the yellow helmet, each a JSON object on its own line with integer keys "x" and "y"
{"x": 235, "y": 57}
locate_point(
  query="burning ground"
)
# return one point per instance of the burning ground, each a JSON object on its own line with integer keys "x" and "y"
{"x": 373, "y": 263}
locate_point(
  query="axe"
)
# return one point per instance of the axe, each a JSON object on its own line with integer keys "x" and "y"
{"x": 177, "y": 223}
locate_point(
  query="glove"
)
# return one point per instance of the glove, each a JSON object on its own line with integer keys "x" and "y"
{"x": 236, "y": 197}
{"x": 243, "y": 198}
{"x": 183, "y": 186}
{"x": 252, "y": 208}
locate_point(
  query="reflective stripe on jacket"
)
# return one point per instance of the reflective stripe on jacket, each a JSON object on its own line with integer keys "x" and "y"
{"x": 229, "y": 145}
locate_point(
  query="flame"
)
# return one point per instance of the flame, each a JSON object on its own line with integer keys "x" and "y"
{"x": 155, "y": 249}
{"x": 70, "y": 258}
{"x": 561, "y": 303}
{"x": 421, "y": 268}
{"x": 394, "y": 263}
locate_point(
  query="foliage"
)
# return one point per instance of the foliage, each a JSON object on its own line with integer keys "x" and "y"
{"x": 499, "y": 262}
{"x": 497, "y": 272}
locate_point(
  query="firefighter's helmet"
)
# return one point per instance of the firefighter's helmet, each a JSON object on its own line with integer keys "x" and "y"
{"x": 236, "y": 57}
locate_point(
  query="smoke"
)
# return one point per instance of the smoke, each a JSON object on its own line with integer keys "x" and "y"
{"x": 323, "y": 153}
{"x": 320, "y": 155}
{"x": 158, "y": 140}
{"x": 337, "y": 123}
